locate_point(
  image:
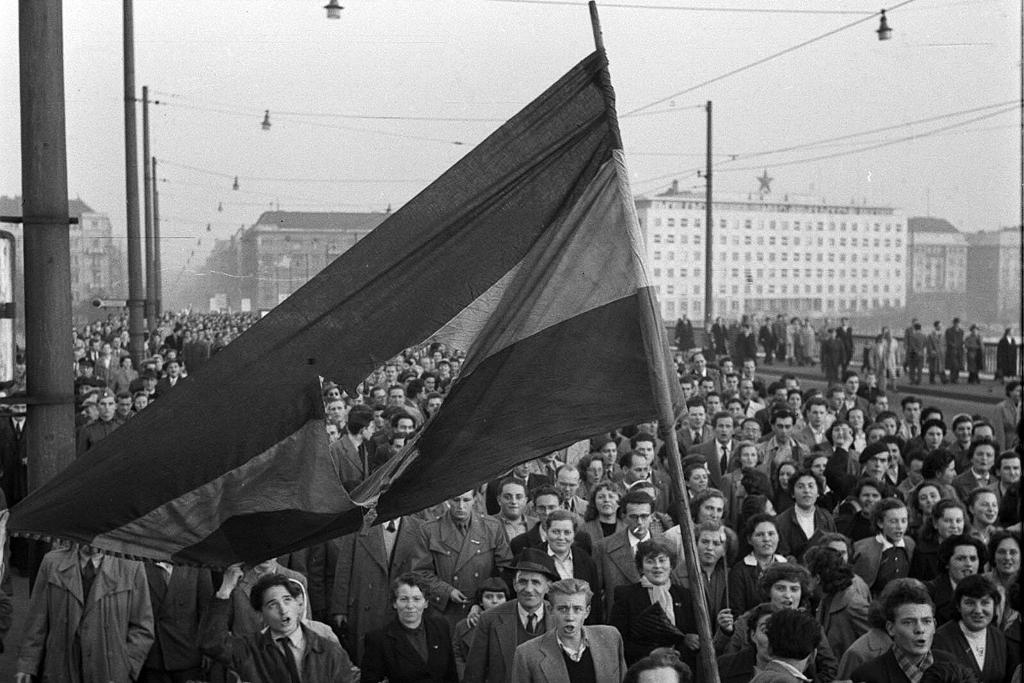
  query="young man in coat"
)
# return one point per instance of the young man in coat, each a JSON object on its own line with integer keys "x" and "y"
{"x": 910, "y": 622}
{"x": 571, "y": 652}
{"x": 502, "y": 629}
{"x": 89, "y": 619}
{"x": 286, "y": 651}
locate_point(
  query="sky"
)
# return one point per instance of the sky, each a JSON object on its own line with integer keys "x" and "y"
{"x": 368, "y": 109}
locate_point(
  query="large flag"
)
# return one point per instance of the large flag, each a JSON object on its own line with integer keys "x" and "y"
{"x": 526, "y": 253}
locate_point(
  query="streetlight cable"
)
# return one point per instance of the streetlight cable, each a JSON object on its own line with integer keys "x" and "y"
{"x": 763, "y": 60}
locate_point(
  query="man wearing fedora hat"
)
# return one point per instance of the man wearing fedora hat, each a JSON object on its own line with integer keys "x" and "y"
{"x": 502, "y": 629}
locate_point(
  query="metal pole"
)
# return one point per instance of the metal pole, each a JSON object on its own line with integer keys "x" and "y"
{"x": 660, "y": 376}
{"x": 136, "y": 293}
{"x": 158, "y": 278}
{"x": 147, "y": 199}
{"x": 50, "y": 428}
{"x": 708, "y": 233}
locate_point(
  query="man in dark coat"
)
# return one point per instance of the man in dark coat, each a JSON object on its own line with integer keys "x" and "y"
{"x": 180, "y": 597}
{"x": 684, "y": 334}
{"x": 845, "y": 335}
{"x": 955, "y": 350}
{"x": 766, "y": 339}
{"x": 1006, "y": 357}
{"x": 831, "y": 356}
{"x": 746, "y": 345}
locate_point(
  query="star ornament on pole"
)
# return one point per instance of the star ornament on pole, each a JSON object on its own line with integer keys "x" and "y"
{"x": 766, "y": 182}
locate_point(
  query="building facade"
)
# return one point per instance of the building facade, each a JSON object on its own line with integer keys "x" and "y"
{"x": 937, "y": 272}
{"x": 260, "y": 266}
{"x": 994, "y": 276}
{"x": 790, "y": 255}
{"x": 98, "y": 267}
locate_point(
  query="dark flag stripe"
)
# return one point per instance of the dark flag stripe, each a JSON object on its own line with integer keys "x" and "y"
{"x": 540, "y": 394}
{"x": 527, "y": 252}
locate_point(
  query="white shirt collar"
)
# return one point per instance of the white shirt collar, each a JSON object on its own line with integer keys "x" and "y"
{"x": 634, "y": 541}
{"x": 902, "y": 543}
{"x": 568, "y": 558}
{"x": 524, "y": 615}
{"x": 751, "y": 561}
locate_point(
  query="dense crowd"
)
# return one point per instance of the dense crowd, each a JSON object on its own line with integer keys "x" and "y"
{"x": 846, "y": 534}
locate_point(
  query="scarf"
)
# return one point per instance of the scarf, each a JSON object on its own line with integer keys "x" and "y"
{"x": 660, "y": 595}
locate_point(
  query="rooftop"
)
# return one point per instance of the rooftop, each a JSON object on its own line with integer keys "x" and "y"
{"x": 11, "y": 206}
{"x": 930, "y": 224}
{"x": 322, "y": 220}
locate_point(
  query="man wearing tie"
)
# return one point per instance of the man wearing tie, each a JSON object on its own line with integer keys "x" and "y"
{"x": 369, "y": 561}
{"x": 287, "y": 651}
{"x": 502, "y": 629}
{"x": 567, "y": 480}
{"x": 718, "y": 450}
{"x": 695, "y": 430}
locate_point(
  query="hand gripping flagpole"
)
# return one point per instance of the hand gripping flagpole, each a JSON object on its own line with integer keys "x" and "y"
{"x": 654, "y": 343}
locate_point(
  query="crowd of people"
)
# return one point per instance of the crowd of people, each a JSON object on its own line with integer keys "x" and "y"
{"x": 945, "y": 352}
{"x": 850, "y": 534}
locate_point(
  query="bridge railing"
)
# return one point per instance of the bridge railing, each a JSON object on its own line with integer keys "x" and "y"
{"x": 862, "y": 340}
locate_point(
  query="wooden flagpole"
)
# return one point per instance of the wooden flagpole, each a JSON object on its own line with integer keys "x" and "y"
{"x": 656, "y": 353}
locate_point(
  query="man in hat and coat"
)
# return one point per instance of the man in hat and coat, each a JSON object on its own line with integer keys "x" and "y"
{"x": 502, "y": 629}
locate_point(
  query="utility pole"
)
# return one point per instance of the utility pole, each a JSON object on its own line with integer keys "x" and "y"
{"x": 147, "y": 198}
{"x": 136, "y": 295}
{"x": 708, "y": 233}
{"x": 50, "y": 427}
{"x": 158, "y": 293}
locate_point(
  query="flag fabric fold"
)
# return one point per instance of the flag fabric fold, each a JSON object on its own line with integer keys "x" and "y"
{"x": 526, "y": 254}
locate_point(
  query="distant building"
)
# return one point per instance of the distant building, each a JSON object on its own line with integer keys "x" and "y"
{"x": 937, "y": 270}
{"x": 265, "y": 263}
{"x": 783, "y": 254}
{"x": 994, "y": 276}
{"x": 97, "y": 260}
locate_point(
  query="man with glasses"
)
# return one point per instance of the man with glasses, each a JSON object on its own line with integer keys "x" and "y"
{"x": 615, "y": 554}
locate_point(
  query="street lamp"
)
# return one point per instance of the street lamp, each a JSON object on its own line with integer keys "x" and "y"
{"x": 884, "y": 32}
{"x": 333, "y": 9}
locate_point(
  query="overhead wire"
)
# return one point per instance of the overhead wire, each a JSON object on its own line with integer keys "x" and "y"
{"x": 1008, "y": 105}
{"x": 224, "y": 174}
{"x": 688, "y": 8}
{"x": 885, "y": 143}
{"x": 359, "y": 129}
{"x": 763, "y": 60}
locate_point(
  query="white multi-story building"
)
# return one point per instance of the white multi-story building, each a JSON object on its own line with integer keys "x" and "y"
{"x": 774, "y": 254}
